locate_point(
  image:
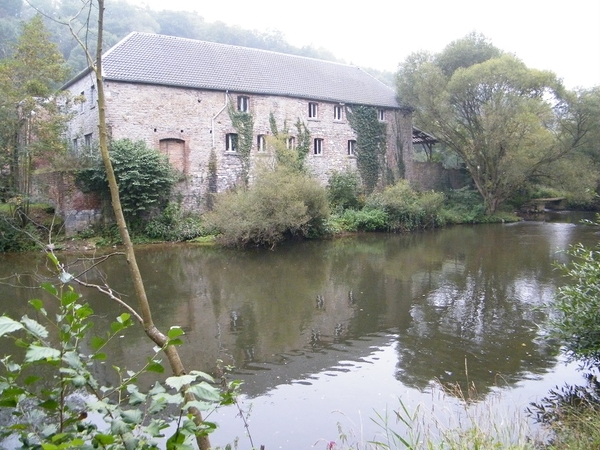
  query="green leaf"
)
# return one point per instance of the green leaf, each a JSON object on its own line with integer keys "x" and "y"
{"x": 175, "y": 332}
{"x": 38, "y": 305}
{"x": 31, "y": 379}
{"x": 50, "y": 404}
{"x": 104, "y": 439}
{"x": 204, "y": 375}
{"x": 180, "y": 381}
{"x": 201, "y": 406}
{"x": 135, "y": 396}
{"x": 34, "y": 327}
{"x": 7, "y": 325}
{"x": 38, "y": 353}
{"x": 157, "y": 405}
{"x": 49, "y": 287}
{"x": 69, "y": 297}
{"x": 53, "y": 258}
{"x": 205, "y": 391}
{"x": 123, "y": 318}
{"x": 84, "y": 312}
{"x": 96, "y": 342}
{"x": 175, "y": 341}
{"x": 99, "y": 356}
{"x": 72, "y": 360}
{"x": 132, "y": 416}
{"x": 47, "y": 446}
{"x": 155, "y": 366}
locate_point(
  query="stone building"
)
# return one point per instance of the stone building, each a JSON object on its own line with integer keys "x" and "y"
{"x": 177, "y": 95}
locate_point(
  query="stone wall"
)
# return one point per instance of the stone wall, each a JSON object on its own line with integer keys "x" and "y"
{"x": 194, "y": 122}
{"x": 79, "y": 210}
{"x": 428, "y": 176}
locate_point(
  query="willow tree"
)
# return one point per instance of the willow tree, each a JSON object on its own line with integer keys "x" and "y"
{"x": 504, "y": 120}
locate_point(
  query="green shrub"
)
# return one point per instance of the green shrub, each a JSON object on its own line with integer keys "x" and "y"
{"x": 17, "y": 238}
{"x": 143, "y": 174}
{"x": 577, "y": 325}
{"x": 363, "y": 220}
{"x": 174, "y": 225}
{"x": 344, "y": 191}
{"x": 407, "y": 209}
{"x": 464, "y": 205}
{"x": 281, "y": 203}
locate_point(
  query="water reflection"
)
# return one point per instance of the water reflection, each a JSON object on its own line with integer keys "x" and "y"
{"x": 460, "y": 304}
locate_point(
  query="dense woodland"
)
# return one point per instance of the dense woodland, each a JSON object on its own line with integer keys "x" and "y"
{"x": 122, "y": 18}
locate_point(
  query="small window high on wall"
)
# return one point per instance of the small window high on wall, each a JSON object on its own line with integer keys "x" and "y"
{"x": 231, "y": 142}
{"x": 174, "y": 149}
{"x": 243, "y": 103}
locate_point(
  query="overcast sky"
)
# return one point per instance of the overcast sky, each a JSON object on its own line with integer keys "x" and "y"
{"x": 562, "y": 36}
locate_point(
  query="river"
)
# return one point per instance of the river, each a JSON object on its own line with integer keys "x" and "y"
{"x": 326, "y": 335}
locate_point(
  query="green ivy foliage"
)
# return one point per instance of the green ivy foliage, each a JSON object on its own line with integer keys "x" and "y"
{"x": 370, "y": 143}
{"x": 144, "y": 176}
{"x": 344, "y": 191}
{"x": 243, "y": 122}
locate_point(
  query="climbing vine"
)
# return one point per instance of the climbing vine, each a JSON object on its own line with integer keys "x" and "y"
{"x": 293, "y": 157}
{"x": 370, "y": 143}
{"x": 303, "y": 146}
{"x": 243, "y": 122}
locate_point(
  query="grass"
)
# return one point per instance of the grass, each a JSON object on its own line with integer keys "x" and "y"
{"x": 464, "y": 421}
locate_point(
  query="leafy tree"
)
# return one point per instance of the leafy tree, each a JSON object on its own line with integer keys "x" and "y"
{"x": 143, "y": 174}
{"x": 578, "y": 303}
{"x": 32, "y": 119}
{"x": 505, "y": 121}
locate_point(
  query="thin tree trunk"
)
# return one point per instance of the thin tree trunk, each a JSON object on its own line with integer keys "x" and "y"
{"x": 144, "y": 307}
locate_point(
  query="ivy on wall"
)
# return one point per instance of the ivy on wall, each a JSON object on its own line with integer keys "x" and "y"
{"x": 243, "y": 123}
{"x": 303, "y": 146}
{"x": 370, "y": 143}
{"x": 295, "y": 157}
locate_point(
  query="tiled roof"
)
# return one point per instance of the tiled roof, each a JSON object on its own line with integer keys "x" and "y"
{"x": 173, "y": 61}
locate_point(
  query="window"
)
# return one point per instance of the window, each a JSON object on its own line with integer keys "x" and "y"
{"x": 291, "y": 143}
{"x": 351, "y": 148}
{"x": 93, "y": 96}
{"x": 318, "y": 148}
{"x": 87, "y": 140}
{"x": 381, "y": 115}
{"x": 337, "y": 112}
{"x": 261, "y": 144}
{"x": 82, "y": 102}
{"x": 75, "y": 145}
{"x": 243, "y": 103}
{"x": 231, "y": 142}
{"x": 312, "y": 110}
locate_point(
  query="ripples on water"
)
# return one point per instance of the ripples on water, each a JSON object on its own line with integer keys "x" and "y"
{"x": 332, "y": 331}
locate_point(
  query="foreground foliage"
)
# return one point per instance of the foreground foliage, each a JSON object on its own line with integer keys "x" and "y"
{"x": 577, "y": 325}
{"x": 54, "y": 400}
